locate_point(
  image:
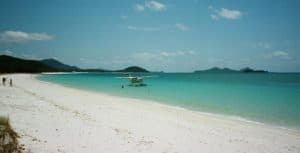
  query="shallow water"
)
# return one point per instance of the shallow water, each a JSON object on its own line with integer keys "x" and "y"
{"x": 271, "y": 98}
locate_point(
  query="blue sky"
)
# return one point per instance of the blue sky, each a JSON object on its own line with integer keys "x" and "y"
{"x": 160, "y": 35}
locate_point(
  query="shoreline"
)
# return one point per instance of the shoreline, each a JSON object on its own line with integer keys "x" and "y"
{"x": 147, "y": 101}
{"x": 127, "y": 124}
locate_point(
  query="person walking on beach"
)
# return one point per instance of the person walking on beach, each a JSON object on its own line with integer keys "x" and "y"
{"x": 10, "y": 82}
{"x": 3, "y": 81}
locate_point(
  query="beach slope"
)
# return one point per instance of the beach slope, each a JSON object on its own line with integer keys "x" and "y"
{"x": 53, "y": 118}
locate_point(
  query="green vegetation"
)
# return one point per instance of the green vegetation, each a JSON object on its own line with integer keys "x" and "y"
{"x": 8, "y": 138}
{"x": 249, "y": 70}
{"x": 58, "y": 65}
{"x": 9, "y": 64}
{"x": 227, "y": 70}
{"x": 218, "y": 70}
{"x": 134, "y": 69}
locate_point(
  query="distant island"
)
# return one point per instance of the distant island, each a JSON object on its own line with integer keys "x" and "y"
{"x": 228, "y": 70}
{"x": 9, "y": 64}
{"x": 249, "y": 70}
{"x": 59, "y": 65}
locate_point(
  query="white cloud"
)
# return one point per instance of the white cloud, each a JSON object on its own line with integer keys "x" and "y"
{"x": 151, "y": 5}
{"x": 145, "y": 56}
{"x": 225, "y": 13}
{"x": 230, "y": 14}
{"x": 134, "y": 28}
{"x": 177, "y": 53}
{"x": 214, "y": 17}
{"x": 19, "y": 36}
{"x": 7, "y": 52}
{"x": 278, "y": 55}
{"x": 160, "y": 57}
{"x": 281, "y": 54}
{"x": 264, "y": 45}
{"x": 139, "y": 7}
{"x": 181, "y": 27}
{"x": 177, "y": 26}
{"x": 154, "y": 5}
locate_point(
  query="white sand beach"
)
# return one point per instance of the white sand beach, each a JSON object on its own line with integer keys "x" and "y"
{"x": 52, "y": 118}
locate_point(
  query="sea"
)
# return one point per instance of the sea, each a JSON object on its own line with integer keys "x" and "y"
{"x": 266, "y": 98}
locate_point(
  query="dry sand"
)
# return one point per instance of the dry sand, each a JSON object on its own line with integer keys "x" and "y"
{"x": 52, "y": 118}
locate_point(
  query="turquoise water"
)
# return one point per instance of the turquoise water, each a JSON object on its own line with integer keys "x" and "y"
{"x": 271, "y": 98}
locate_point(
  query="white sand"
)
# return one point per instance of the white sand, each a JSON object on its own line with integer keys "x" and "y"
{"x": 52, "y": 118}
